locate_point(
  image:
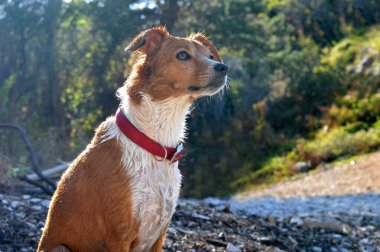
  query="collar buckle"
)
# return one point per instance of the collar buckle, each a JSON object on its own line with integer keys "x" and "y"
{"x": 178, "y": 154}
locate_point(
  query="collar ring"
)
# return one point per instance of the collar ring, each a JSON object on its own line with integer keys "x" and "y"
{"x": 166, "y": 154}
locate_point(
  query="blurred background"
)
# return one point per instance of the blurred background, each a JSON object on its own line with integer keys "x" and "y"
{"x": 304, "y": 91}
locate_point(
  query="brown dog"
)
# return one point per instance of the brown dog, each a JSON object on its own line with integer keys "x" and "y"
{"x": 120, "y": 193}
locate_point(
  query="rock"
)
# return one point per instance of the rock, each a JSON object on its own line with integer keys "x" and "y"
{"x": 222, "y": 236}
{"x": 15, "y": 204}
{"x": 200, "y": 216}
{"x": 213, "y": 201}
{"x": 37, "y": 208}
{"x": 316, "y": 249}
{"x": 337, "y": 236}
{"x": 172, "y": 231}
{"x": 232, "y": 248}
{"x": 20, "y": 215}
{"x": 368, "y": 228}
{"x": 34, "y": 200}
{"x": 329, "y": 225}
{"x": 365, "y": 245}
{"x": 344, "y": 250}
{"x": 184, "y": 231}
{"x": 223, "y": 207}
{"x": 45, "y": 203}
{"x": 26, "y": 197}
{"x": 300, "y": 166}
{"x": 296, "y": 221}
{"x": 30, "y": 225}
{"x": 192, "y": 224}
{"x": 217, "y": 242}
{"x": 271, "y": 220}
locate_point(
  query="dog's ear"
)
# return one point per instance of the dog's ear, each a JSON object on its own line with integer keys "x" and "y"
{"x": 147, "y": 42}
{"x": 200, "y": 37}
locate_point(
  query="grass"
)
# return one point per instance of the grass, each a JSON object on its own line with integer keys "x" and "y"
{"x": 344, "y": 161}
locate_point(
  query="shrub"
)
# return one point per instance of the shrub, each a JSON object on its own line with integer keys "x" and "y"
{"x": 340, "y": 142}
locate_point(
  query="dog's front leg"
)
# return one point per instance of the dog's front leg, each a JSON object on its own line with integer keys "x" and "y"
{"x": 157, "y": 246}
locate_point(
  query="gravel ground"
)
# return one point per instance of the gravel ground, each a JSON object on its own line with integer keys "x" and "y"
{"x": 332, "y": 210}
{"x": 217, "y": 225}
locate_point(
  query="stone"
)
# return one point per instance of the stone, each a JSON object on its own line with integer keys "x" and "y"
{"x": 37, "y": 208}
{"x": 26, "y": 197}
{"x": 296, "y": 221}
{"x": 232, "y": 248}
{"x": 45, "y": 203}
{"x": 34, "y": 200}
{"x": 200, "y": 216}
{"x": 300, "y": 166}
{"x": 172, "y": 231}
{"x": 344, "y": 250}
{"x": 15, "y": 204}
{"x": 316, "y": 249}
{"x": 222, "y": 236}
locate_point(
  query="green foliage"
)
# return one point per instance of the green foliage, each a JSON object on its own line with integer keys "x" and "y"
{"x": 350, "y": 109}
{"x": 336, "y": 103}
{"x": 341, "y": 142}
{"x": 272, "y": 171}
{"x": 304, "y": 80}
{"x": 18, "y": 170}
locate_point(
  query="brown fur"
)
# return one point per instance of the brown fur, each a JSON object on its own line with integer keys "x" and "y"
{"x": 91, "y": 209}
{"x": 157, "y": 246}
{"x": 173, "y": 79}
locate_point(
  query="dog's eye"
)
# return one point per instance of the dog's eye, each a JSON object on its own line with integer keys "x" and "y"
{"x": 183, "y": 55}
{"x": 211, "y": 57}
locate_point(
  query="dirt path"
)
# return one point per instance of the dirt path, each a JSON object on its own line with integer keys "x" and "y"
{"x": 358, "y": 177}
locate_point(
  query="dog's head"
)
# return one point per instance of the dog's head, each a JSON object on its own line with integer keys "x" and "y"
{"x": 170, "y": 66}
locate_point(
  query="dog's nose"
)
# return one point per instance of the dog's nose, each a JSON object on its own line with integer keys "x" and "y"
{"x": 221, "y": 68}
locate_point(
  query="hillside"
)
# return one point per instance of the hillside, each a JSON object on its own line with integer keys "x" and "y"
{"x": 359, "y": 175}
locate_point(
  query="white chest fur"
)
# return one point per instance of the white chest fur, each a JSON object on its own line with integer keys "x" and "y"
{"x": 155, "y": 184}
{"x": 155, "y": 188}
{"x": 155, "y": 198}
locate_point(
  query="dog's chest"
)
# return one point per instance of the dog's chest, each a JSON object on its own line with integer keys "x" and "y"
{"x": 154, "y": 198}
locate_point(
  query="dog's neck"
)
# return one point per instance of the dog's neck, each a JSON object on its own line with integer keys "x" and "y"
{"x": 163, "y": 121}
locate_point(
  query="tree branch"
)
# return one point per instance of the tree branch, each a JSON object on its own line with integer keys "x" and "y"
{"x": 33, "y": 156}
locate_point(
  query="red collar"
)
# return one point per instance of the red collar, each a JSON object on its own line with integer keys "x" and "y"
{"x": 139, "y": 138}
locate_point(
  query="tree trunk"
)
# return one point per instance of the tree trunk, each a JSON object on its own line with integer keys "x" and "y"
{"x": 53, "y": 10}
